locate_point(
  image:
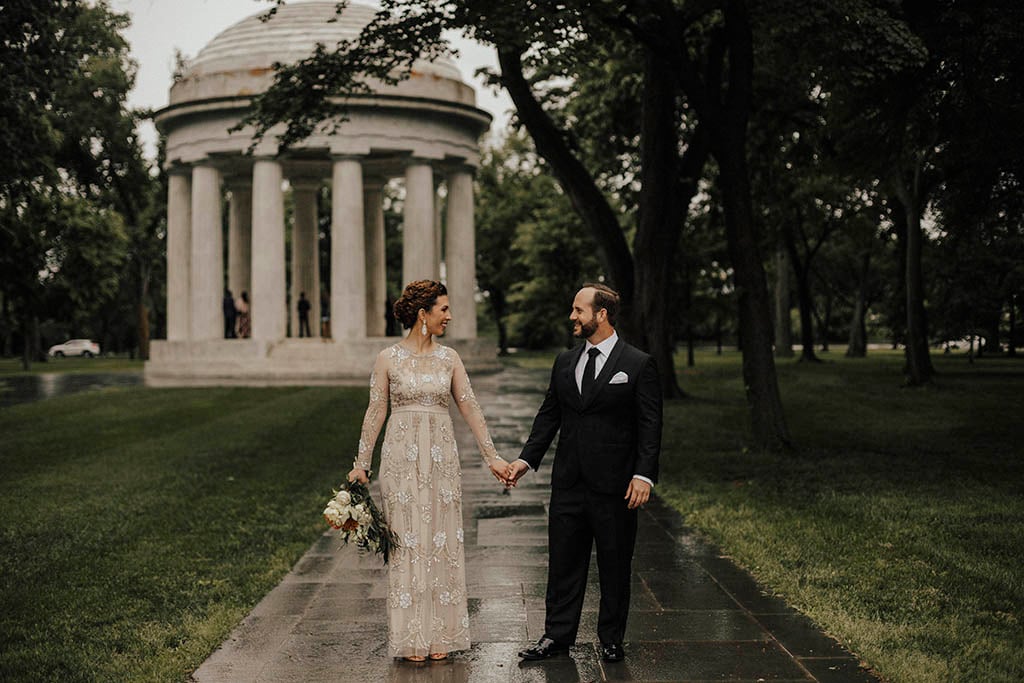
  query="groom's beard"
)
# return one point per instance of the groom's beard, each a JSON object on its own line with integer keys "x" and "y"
{"x": 587, "y": 329}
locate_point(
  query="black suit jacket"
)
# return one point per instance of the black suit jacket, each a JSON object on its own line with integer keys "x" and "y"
{"x": 607, "y": 438}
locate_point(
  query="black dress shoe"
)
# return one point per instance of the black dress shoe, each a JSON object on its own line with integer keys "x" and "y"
{"x": 544, "y": 648}
{"x": 612, "y": 653}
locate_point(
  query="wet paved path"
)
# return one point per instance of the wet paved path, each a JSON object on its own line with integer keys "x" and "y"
{"x": 695, "y": 616}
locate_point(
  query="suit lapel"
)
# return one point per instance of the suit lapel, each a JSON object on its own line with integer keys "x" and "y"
{"x": 569, "y": 375}
{"x": 605, "y": 374}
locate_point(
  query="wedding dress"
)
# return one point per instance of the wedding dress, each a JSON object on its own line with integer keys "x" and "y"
{"x": 420, "y": 482}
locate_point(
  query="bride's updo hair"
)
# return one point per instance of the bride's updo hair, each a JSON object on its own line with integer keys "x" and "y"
{"x": 419, "y": 294}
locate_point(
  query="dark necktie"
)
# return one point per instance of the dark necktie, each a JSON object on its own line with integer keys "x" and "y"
{"x": 589, "y": 372}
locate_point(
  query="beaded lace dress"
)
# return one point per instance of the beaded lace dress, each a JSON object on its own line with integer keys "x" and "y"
{"x": 420, "y": 482}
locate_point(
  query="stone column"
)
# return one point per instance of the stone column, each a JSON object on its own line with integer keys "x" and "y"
{"x": 348, "y": 253}
{"x": 305, "y": 254}
{"x": 207, "y": 255}
{"x": 461, "y": 255}
{"x": 438, "y": 229}
{"x": 419, "y": 257}
{"x": 179, "y": 254}
{"x": 240, "y": 236}
{"x": 267, "y": 298}
{"x": 376, "y": 264}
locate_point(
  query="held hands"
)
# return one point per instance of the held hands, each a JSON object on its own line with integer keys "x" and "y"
{"x": 498, "y": 468}
{"x": 637, "y": 493}
{"x": 359, "y": 475}
{"x": 514, "y": 471}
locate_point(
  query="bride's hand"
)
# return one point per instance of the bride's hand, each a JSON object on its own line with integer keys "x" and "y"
{"x": 498, "y": 468}
{"x": 358, "y": 475}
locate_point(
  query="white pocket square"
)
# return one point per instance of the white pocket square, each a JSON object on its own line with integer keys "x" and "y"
{"x": 619, "y": 378}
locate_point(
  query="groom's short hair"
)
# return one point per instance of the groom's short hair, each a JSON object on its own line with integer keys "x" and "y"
{"x": 605, "y": 297}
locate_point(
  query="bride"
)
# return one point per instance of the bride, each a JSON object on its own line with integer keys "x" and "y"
{"x": 420, "y": 476}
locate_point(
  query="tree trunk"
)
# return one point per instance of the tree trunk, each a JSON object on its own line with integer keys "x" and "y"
{"x": 660, "y": 220}
{"x": 26, "y": 344}
{"x": 783, "y": 304}
{"x": 143, "y": 314}
{"x": 586, "y": 197}
{"x": 858, "y": 344}
{"x": 759, "y": 377}
{"x": 723, "y": 100}
{"x": 993, "y": 342}
{"x": 33, "y": 350}
{"x": 857, "y": 347}
{"x": 718, "y": 334}
{"x": 919, "y": 363}
{"x": 6, "y": 341}
{"x": 806, "y": 301}
{"x": 668, "y": 184}
{"x": 690, "y": 361}
{"x": 499, "y": 309}
{"x": 1011, "y": 345}
{"x": 823, "y": 323}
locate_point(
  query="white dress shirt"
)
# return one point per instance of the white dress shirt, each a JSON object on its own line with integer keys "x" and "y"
{"x": 605, "y": 347}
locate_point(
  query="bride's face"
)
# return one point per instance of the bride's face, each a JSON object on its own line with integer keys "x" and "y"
{"x": 439, "y": 316}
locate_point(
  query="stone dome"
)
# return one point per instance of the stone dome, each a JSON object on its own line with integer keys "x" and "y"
{"x": 239, "y": 60}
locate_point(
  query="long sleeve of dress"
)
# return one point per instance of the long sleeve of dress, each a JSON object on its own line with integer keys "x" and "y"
{"x": 462, "y": 391}
{"x": 376, "y": 413}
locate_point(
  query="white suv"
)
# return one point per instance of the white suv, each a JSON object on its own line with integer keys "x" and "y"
{"x": 75, "y": 347}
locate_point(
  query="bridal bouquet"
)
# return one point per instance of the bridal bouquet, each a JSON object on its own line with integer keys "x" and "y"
{"x": 354, "y": 513}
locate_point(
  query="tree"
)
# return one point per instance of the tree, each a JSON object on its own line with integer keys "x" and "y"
{"x": 39, "y": 55}
{"x": 533, "y": 253}
{"x": 509, "y": 184}
{"x": 899, "y": 76}
{"x": 526, "y": 33}
{"x": 71, "y": 145}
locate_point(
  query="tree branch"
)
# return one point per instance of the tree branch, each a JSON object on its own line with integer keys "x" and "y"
{"x": 586, "y": 197}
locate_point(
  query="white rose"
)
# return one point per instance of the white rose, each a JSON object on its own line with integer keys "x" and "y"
{"x": 343, "y": 497}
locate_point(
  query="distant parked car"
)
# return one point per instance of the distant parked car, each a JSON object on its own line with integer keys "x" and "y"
{"x": 75, "y": 347}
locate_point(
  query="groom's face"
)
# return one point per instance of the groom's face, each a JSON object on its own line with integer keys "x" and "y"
{"x": 584, "y": 320}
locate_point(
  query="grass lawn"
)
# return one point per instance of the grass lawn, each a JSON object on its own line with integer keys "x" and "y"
{"x": 78, "y": 365}
{"x": 899, "y": 524}
{"x": 138, "y": 526}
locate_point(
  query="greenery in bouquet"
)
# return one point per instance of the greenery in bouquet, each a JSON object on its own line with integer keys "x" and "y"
{"x": 353, "y": 512}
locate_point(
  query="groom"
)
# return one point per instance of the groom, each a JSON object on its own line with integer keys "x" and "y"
{"x": 605, "y": 398}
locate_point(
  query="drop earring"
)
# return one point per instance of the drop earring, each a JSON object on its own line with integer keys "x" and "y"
{"x": 423, "y": 329}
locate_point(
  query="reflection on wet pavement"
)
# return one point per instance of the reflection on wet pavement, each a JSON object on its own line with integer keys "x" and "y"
{"x": 695, "y": 616}
{"x": 27, "y": 388}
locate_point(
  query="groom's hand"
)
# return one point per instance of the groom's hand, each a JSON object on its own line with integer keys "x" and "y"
{"x": 638, "y": 493}
{"x": 516, "y": 469}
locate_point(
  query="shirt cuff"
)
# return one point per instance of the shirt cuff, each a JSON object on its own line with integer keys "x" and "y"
{"x": 525, "y": 463}
{"x": 643, "y": 478}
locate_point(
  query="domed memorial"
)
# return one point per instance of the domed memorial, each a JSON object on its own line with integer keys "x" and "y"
{"x": 424, "y": 130}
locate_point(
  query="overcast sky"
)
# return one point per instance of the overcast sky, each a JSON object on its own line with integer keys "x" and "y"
{"x": 161, "y": 26}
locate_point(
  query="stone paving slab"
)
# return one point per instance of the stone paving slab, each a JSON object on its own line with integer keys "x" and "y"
{"x": 695, "y": 616}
